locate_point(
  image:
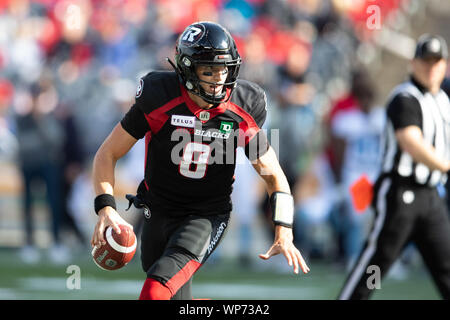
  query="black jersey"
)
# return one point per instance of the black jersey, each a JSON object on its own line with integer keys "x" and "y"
{"x": 190, "y": 151}
{"x": 413, "y": 105}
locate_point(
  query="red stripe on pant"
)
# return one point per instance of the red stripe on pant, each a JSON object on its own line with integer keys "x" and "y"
{"x": 155, "y": 290}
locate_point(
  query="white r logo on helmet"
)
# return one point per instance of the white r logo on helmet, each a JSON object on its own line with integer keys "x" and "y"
{"x": 193, "y": 34}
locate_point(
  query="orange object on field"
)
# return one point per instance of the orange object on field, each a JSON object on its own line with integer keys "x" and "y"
{"x": 362, "y": 194}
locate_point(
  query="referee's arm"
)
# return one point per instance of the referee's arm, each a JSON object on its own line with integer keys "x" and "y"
{"x": 410, "y": 140}
{"x": 404, "y": 112}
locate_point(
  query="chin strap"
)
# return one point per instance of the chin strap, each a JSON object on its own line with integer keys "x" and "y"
{"x": 173, "y": 65}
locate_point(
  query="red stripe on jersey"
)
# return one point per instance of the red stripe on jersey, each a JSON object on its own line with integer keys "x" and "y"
{"x": 248, "y": 126}
{"x": 148, "y": 137}
{"x": 157, "y": 118}
{"x": 195, "y": 109}
{"x": 182, "y": 276}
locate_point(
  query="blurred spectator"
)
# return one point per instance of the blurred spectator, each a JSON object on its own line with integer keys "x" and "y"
{"x": 24, "y": 57}
{"x": 257, "y": 67}
{"x": 295, "y": 118}
{"x": 72, "y": 166}
{"x": 41, "y": 139}
{"x": 356, "y": 126}
{"x": 316, "y": 197}
{"x": 8, "y": 142}
{"x": 334, "y": 50}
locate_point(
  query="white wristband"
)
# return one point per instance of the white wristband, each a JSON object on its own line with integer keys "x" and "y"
{"x": 282, "y": 205}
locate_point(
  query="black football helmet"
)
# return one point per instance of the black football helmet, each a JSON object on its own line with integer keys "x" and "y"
{"x": 210, "y": 44}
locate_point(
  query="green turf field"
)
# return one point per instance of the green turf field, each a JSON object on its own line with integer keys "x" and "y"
{"x": 222, "y": 279}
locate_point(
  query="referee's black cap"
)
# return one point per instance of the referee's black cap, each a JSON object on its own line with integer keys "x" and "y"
{"x": 431, "y": 46}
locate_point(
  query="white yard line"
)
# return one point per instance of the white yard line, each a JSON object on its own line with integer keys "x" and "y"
{"x": 56, "y": 286}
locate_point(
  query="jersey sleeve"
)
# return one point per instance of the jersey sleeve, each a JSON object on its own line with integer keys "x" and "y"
{"x": 134, "y": 122}
{"x": 153, "y": 91}
{"x": 258, "y": 143}
{"x": 403, "y": 111}
{"x": 259, "y": 112}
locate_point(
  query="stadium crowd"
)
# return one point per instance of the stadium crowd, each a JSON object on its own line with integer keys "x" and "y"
{"x": 69, "y": 70}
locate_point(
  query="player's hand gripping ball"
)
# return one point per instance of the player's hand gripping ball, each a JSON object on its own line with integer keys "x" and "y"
{"x": 118, "y": 250}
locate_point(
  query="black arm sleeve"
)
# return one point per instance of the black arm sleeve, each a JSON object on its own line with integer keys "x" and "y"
{"x": 404, "y": 110}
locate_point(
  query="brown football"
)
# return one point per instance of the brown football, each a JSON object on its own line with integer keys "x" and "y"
{"x": 118, "y": 250}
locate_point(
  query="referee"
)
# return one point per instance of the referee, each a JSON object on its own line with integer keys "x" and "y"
{"x": 446, "y": 87}
{"x": 416, "y": 159}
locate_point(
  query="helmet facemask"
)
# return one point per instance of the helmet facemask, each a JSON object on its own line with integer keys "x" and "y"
{"x": 196, "y": 85}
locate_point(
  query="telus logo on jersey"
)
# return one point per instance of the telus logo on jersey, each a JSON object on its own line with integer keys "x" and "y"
{"x": 183, "y": 121}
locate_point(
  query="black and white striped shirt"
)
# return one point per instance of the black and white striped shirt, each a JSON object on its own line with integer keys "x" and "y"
{"x": 411, "y": 104}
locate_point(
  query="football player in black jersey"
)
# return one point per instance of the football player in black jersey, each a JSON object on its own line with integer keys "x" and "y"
{"x": 192, "y": 121}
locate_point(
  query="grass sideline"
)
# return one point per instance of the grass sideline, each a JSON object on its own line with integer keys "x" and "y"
{"x": 222, "y": 279}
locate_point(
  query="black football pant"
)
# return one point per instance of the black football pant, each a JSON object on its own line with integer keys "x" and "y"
{"x": 51, "y": 174}
{"x": 404, "y": 213}
{"x": 173, "y": 248}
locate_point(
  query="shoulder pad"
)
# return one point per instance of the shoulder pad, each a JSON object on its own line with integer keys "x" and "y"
{"x": 250, "y": 97}
{"x": 156, "y": 89}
